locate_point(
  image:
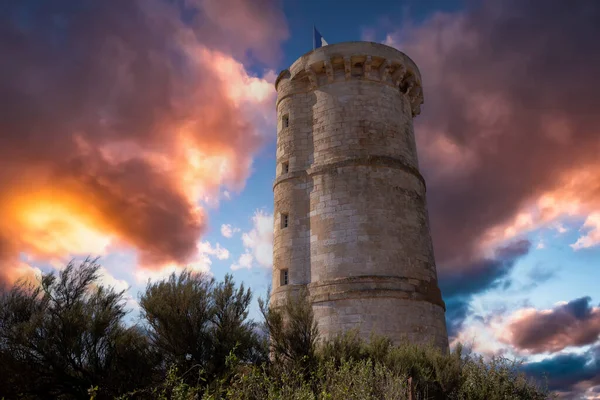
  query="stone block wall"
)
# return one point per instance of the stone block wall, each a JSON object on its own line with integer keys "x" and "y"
{"x": 348, "y": 183}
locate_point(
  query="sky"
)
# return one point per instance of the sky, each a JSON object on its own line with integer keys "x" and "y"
{"x": 143, "y": 132}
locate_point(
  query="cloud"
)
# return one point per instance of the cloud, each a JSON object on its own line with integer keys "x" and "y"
{"x": 508, "y": 137}
{"x": 258, "y": 243}
{"x": 19, "y": 270}
{"x": 246, "y": 30}
{"x": 201, "y": 262}
{"x": 120, "y": 118}
{"x": 244, "y": 262}
{"x": 592, "y": 237}
{"x": 486, "y": 274}
{"x": 207, "y": 249}
{"x": 571, "y": 375}
{"x": 593, "y": 393}
{"x": 458, "y": 287}
{"x": 479, "y": 334}
{"x": 227, "y": 230}
{"x": 528, "y": 331}
{"x": 108, "y": 280}
{"x": 525, "y": 283}
{"x": 575, "y": 323}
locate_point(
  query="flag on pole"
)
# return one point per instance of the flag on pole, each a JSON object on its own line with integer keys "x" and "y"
{"x": 318, "y": 40}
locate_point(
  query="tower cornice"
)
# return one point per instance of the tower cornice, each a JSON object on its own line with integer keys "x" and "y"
{"x": 364, "y": 61}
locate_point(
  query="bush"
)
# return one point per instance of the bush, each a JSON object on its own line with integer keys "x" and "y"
{"x": 65, "y": 338}
{"x": 196, "y": 323}
{"x": 434, "y": 376}
{"x": 66, "y": 334}
{"x": 293, "y": 333}
{"x": 348, "y": 367}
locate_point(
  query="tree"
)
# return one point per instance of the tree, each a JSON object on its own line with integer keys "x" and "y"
{"x": 293, "y": 331}
{"x": 232, "y": 332}
{"x": 196, "y": 323}
{"x": 178, "y": 310}
{"x": 65, "y": 334}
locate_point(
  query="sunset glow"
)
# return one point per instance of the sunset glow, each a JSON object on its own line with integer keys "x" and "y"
{"x": 145, "y": 133}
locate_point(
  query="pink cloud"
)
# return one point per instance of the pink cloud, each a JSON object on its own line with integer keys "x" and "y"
{"x": 576, "y": 323}
{"x": 119, "y": 135}
{"x": 508, "y": 122}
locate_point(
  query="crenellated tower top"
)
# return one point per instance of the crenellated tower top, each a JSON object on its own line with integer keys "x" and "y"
{"x": 353, "y": 60}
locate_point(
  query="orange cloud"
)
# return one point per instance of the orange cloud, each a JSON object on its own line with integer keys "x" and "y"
{"x": 19, "y": 271}
{"x": 576, "y": 194}
{"x": 48, "y": 223}
{"x": 126, "y": 130}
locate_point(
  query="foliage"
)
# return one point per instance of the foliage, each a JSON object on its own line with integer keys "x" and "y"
{"x": 435, "y": 375}
{"x": 195, "y": 322}
{"x": 292, "y": 331}
{"x": 232, "y": 333}
{"x": 65, "y": 334}
{"x": 348, "y": 367}
{"x": 178, "y": 311}
{"x": 65, "y": 338}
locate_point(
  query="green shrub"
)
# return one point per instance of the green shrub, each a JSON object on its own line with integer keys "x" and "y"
{"x": 293, "y": 333}
{"x": 349, "y": 368}
{"x": 65, "y": 334}
{"x": 65, "y": 338}
{"x": 195, "y": 322}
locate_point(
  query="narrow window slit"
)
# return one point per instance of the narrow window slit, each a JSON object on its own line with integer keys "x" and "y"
{"x": 284, "y": 277}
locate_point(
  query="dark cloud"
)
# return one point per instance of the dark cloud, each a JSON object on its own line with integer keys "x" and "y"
{"x": 484, "y": 274}
{"x": 570, "y": 374}
{"x": 457, "y": 310}
{"x": 511, "y": 99}
{"x": 246, "y": 29}
{"x": 459, "y": 287}
{"x": 97, "y": 98}
{"x": 576, "y": 323}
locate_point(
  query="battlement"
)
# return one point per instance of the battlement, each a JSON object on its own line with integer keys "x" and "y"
{"x": 365, "y": 61}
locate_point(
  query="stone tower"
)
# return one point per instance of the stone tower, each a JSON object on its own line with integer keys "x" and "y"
{"x": 351, "y": 221}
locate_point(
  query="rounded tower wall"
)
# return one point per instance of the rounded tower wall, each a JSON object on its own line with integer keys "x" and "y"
{"x": 293, "y": 156}
{"x": 395, "y": 318}
{"x": 290, "y": 244}
{"x": 347, "y": 176}
{"x": 361, "y": 118}
{"x": 369, "y": 220}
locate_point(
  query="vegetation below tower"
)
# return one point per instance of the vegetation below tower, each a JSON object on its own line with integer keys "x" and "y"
{"x": 65, "y": 338}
